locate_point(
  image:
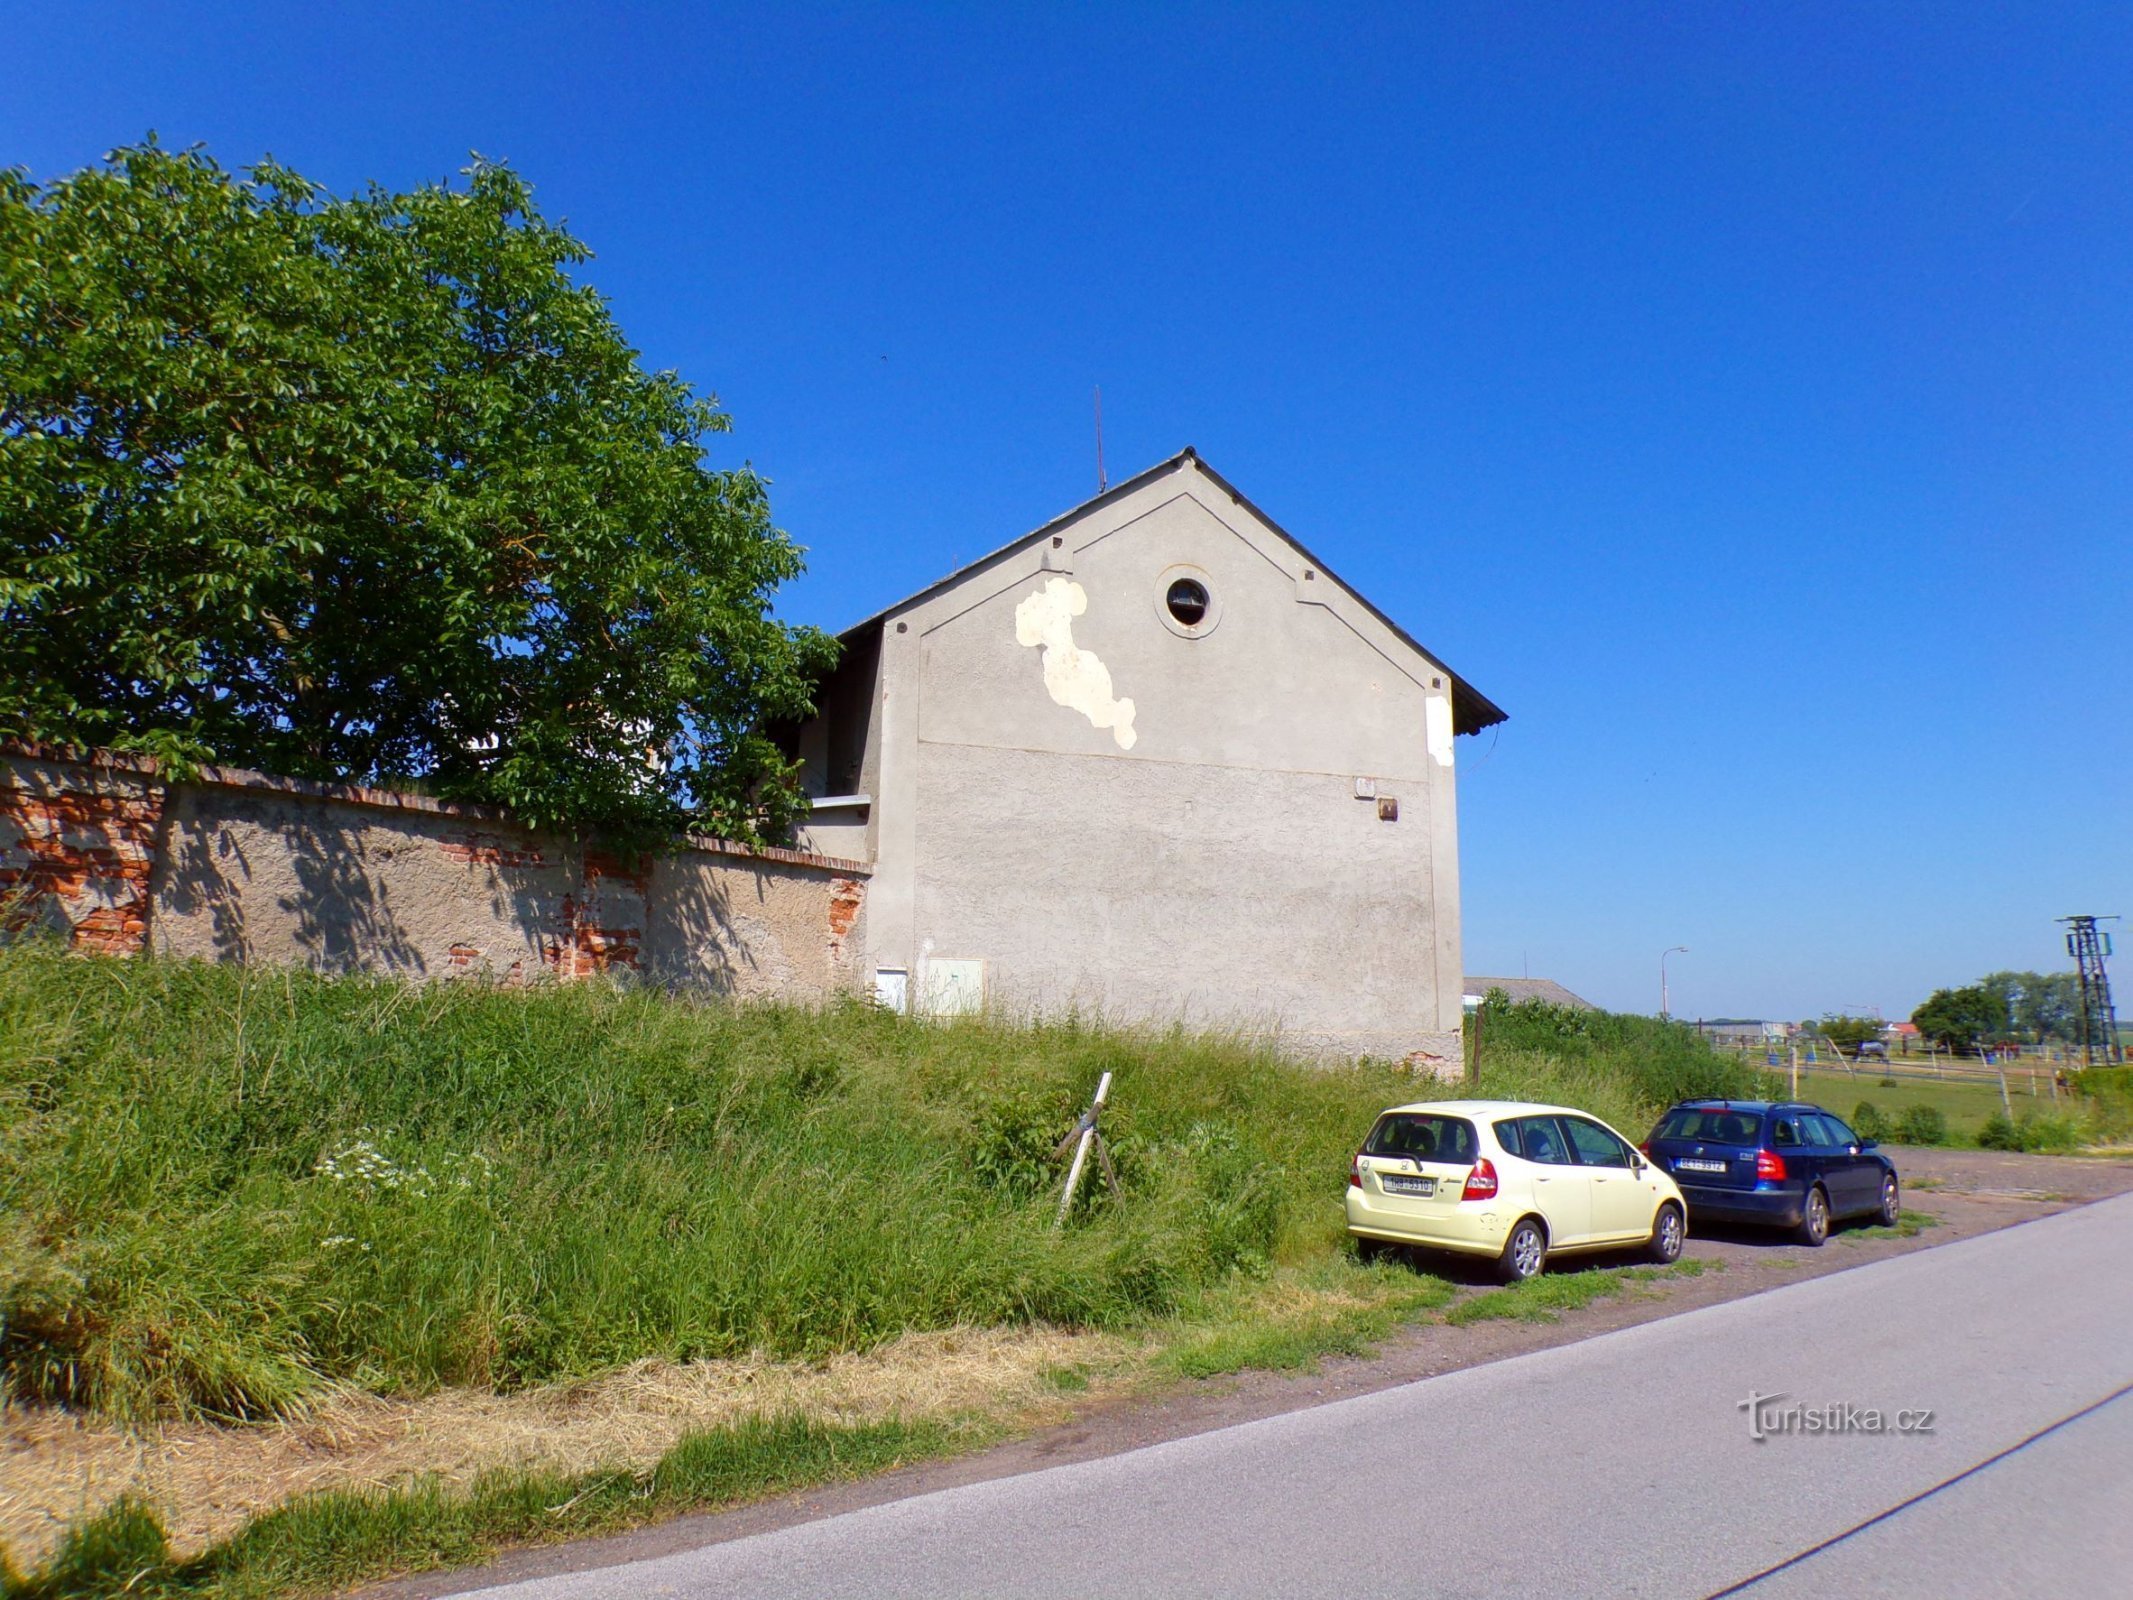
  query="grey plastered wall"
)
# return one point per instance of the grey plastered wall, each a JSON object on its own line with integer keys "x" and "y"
{"x": 1219, "y": 867}
{"x": 395, "y": 885}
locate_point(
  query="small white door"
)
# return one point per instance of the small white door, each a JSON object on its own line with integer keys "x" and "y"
{"x": 892, "y": 988}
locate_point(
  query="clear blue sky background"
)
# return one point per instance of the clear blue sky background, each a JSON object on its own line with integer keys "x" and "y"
{"x": 1742, "y": 396}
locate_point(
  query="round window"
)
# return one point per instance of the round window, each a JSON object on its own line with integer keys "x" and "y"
{"x": 1186, "y": 600}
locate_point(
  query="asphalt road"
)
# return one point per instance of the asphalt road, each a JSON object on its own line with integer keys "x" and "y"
{"x": 1620, "y": 1466}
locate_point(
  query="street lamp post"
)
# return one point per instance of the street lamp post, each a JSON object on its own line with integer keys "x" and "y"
{"x": 1676, "y": 950}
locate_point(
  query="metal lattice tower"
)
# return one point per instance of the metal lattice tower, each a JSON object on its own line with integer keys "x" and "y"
{"x": 2099, "y": 1022}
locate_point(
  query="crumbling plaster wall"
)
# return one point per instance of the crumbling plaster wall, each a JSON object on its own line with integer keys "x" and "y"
{"x": 77, "y": 846}
{"x": 250, "y": 868}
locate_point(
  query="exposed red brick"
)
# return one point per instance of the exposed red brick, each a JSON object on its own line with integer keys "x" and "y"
{"x": 492, "y": 850}
{"x": 846, "y": 897}
{"x": 75, "y": 843}
{"x": 581, "y": 948}
{"x": 114, "y": 930}
{"x": 634, "y": 870}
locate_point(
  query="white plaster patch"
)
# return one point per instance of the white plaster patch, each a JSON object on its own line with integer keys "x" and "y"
{"x": 1074, "y": 677}
{"x": 1437, "y": 727}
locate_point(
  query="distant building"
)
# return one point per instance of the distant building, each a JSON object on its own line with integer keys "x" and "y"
{"x": 1743, "y": 1030}
{"x": 1547, "y": 989}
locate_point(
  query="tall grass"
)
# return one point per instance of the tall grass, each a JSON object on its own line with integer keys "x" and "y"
{"x": 221, "y": 1188}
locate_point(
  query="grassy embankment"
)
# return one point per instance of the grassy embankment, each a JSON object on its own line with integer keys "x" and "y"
{"x": 227, "y": 1193}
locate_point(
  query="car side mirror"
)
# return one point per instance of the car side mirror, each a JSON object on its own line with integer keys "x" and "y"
{"x": 1866, "y": 1144}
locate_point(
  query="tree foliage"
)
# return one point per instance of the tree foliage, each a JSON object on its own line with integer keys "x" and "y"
{"x": 369, "y": 488}
{"x": 1847, "y": 1033}
{"x": 2040, "y": 1005}
{"x": 1960, "y": 1018}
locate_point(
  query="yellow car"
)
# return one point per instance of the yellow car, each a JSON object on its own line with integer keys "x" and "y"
{"x": 1511, "y": 1180}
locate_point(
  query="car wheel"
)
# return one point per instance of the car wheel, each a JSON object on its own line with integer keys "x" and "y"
{"x": 1524, "y": 1253}
{"x": 1814, "y": 1219}
{"x": 1891, "y": 1202}
{"x": 1667, "y": 1235}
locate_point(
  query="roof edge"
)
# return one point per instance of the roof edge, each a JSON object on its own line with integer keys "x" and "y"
{"x": 1115, "y": 492}
{"x": 1472, "y": 710}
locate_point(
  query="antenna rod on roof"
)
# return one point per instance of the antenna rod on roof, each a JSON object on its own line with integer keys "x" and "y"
{"x": 1102, "y": 483}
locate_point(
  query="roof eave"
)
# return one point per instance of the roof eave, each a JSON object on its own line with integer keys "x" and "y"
{"x": 1472, "y": 710}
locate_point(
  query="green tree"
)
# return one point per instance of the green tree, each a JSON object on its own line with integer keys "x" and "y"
{"x": 2042, "y": 1005}
{"x": 1960, "y": 1018}
{"x": 1848, "y": 1033}
{"x": 2050, "y": 1007}
{"x": 369, "y": 488}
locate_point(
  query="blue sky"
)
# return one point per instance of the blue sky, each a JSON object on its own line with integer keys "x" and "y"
{"x": 1740, "y": 396}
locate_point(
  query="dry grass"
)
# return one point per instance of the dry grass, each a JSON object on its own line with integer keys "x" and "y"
{"x": 206, "y": 1480}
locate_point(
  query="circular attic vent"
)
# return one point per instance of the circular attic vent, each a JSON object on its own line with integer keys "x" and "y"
{"x": 1186, "y": 600}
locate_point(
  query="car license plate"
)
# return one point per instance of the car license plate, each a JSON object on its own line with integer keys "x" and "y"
{"x": 1688, "y": 1164}
{"x": 1394, "y": 1184}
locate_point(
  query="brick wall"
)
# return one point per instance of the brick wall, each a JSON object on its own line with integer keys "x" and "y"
{"x": 78, "y": 847}
{"x": 241, "y": 866}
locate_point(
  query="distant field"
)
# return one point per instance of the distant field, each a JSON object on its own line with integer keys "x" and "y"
{"x": 1965, "y": 1102}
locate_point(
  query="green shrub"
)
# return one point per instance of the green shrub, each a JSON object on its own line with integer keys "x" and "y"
{"x": 2105, "y": 1096}
{"x": 1999, "y": 1133}
{"x": 1659, "y": 1061}
{"x": 1868, "y": 1121}
{"x": 1921, "y": 1125}
{"x": 2044, "y": 1131}
{"x": 2039, "y": 1131}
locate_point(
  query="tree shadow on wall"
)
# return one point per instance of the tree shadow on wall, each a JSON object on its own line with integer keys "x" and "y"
{"x": 343, "y": 914}
{"x": 697, "y": 939}
{"x": 203, "y": 872}
{"x": 340, "y": 916}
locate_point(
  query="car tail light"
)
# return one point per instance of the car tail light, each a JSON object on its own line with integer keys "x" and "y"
{"x": 1355, "y": 1171}
{"x": 1646, "y": 1147}
{"x": 1481, "y": 1182}
{"x": 1769, "y": 1164}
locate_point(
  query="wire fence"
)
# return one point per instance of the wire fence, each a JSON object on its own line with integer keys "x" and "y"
{"x": 2037, "y": 1071}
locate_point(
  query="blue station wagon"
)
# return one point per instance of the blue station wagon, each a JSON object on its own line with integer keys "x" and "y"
{"x": 1773, "y": 1163}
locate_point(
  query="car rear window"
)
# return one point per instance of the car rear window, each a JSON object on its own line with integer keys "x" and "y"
{"x": 1422, "y": 1136}
{"x": 1711, "y": 1127}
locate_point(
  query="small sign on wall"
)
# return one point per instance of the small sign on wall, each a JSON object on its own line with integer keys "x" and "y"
{"x": 954, "y": 987}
